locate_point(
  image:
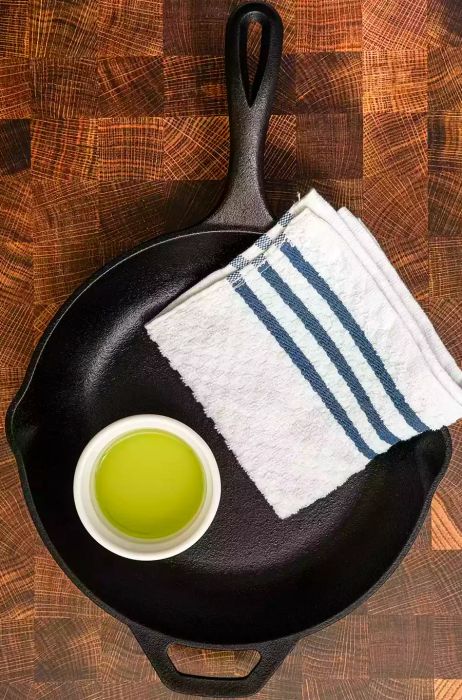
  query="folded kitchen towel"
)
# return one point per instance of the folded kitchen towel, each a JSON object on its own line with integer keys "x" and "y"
{"x": 310, "y": 355}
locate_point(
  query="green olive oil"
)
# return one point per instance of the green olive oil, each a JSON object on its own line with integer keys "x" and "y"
{"x": 149, "y": 484}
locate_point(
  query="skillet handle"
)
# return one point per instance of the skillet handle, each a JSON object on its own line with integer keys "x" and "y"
{"x": 155, "y": 647}
{"x": 249, "y": 106}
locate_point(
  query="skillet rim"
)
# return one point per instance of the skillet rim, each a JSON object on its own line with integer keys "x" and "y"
{"x": 21, "y": 395}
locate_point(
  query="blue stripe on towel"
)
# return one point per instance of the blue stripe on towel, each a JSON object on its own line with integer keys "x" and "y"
{"x": 368, "y": 351}
{"x": 304, "y": 365}
{"x": 312, "y": 324}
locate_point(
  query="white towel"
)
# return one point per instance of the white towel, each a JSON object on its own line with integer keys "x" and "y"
{"x": 310, "y": 355}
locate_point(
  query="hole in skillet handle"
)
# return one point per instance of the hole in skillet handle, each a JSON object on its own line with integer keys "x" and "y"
{"x": 243, "y": 204}
{"x": 156, "y": 646}
{"x": 214, "y": 663}
{"x": 254, "y": 53}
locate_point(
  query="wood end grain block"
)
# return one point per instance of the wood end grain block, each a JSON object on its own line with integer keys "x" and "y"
{"x": 15, "y": 223}
{"x": 395, "y": 24}
{"x": 194, "y": 85}
{"x": 445, "y": 265}
{"x": 280, "y": 153}
{"x": 409, "y": 257}
{"x": 64, "y": 88}
{"x": 401, "y": 646}
{"x": 130, "y": 149}
{"x": 67, "y": 245}
{"x": 16, "y": 650}
{"x": 445, "y": 203}
{"x": 62, "y": 28}
{"x": 15, "y": 270}
{"x": 14, "y": 28}
{"x": 18, "y": 543}
{"x": 197, "y": 28}
{"x": 401, "y": 689}
{"x": 378, "y": 689}
{"x": 9, "y": 476}
{"x": 130, "y": 86}
{"x": 329, "y": 82}
{"x": 129, "y": 213}
{"x": 130, "y": 28}
{"x": 55, "y": 594}
{"x": 448, "y": 581}
{"x": 444, "y": 26}
{"x": 15, "y": 146}
{"x": 444, "y": 80}
{"x": 196, "y": 148}
{"x": 329, "y": 25}
{"x": 447, "y": 521}
{"x": 335, "y": 689}
{"x": 447, "y": 689}
{"x": 123, "y": 690}
{"x": 16, "y": 327}
{"x": 67, "y": 649}
{"x": 17, "y": 690}
{"x": 446, "y": 316}
{"x": 330, "y": 145}
{"x": 64, "y": 148}
{"x": 396, "y": 207}
{"x": 70, "y": 690}
{"x": 338, "y": 651}
{"x": 445, "y": 143}
{"x": 15, "y": 91}
{"x": 448, "y": 647}
{"x": 122, "y": 658}
{"x": 395, "y": 146}
{"x": 395, "y": 81}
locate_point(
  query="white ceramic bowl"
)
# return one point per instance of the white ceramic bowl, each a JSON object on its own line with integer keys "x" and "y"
{"x": 131, "y": 547}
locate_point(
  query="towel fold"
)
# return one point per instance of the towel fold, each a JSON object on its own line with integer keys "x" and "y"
{"x": 310, "y": 355}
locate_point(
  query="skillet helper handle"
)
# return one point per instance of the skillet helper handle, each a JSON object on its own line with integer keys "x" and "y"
{"x": 155, "y": 647}
{"x": 249, "y": 106}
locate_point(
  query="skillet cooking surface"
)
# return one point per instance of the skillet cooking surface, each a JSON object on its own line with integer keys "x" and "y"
{"x": 252, "y": 576}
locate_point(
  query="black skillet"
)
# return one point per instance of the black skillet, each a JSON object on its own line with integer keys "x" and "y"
{"x": 253, "y": 581}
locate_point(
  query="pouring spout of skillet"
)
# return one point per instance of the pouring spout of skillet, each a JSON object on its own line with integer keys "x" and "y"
{"x": 253, "y": 581}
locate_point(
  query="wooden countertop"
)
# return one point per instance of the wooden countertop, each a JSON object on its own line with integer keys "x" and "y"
{"x": 113, "y": 129}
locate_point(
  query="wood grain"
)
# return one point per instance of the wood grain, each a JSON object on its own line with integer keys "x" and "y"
{"x": 395, "y": 81}
{"x": 130, "y": 86}
{"x": 63, "y": 88}
{"x": 15, "y": 88}
{"x": 444, "y": 84}
{"x": 113, "y": 129}
{"x": 329, "y": 82}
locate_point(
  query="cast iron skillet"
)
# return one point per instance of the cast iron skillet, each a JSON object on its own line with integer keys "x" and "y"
{"x": 253, "y": 581}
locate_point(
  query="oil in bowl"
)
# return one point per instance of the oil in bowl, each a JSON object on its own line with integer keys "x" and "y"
{"x": 149, "y": 484}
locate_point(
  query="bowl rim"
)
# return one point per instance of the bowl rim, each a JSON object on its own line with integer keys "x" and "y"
{"x": 125, "y": 545}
